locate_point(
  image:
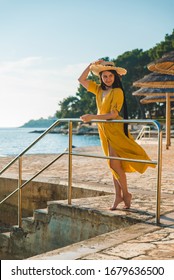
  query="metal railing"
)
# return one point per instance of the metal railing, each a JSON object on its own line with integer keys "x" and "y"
{"x": 145, "y": 130}
{"x": 18, "y": 158}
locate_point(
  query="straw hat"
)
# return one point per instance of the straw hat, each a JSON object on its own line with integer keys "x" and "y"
{"x": 106, "y": 66}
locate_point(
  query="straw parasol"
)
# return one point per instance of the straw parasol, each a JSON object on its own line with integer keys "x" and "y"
{"x": 163, "y": 65}
{"x": 153, "y": 99}
{"x": 158, "y": 84}
{"x": 162, "y": 99}
{"x": 156, "y": 80}
{"x": 159, "y": 95}
{"x": 153, "y": 91}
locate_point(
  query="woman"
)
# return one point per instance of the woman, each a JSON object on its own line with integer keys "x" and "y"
{"x": 115, "y": 139}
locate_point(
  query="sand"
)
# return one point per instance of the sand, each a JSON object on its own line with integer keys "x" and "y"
{"x": 93, "y": 170}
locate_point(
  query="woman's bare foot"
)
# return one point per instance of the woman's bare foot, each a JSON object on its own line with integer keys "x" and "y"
{"x": 127, "y": 201}
{"x": 117, "y": 201}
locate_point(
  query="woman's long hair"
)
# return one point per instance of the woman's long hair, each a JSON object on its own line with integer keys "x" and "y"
{"x": 117, "y": 84}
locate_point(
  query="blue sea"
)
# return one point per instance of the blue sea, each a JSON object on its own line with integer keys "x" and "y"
{"x": 14, "y": 140}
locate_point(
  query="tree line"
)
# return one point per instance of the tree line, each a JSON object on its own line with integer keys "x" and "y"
{"x": 135, "y": 62}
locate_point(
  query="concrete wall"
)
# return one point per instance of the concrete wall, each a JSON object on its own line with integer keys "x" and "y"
{"x": 60, "y": 226}
{"x": 34, "y": 196}
{"x": 50, "y": 227}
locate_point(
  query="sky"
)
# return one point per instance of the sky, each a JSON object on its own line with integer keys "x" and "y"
{"x": 46, "y": 44}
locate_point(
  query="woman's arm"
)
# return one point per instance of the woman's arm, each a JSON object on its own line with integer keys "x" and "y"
{"x": 109, "y": 116}
{"x": 83, "y": 78}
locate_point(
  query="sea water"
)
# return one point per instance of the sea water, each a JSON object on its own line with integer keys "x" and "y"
{"x": 14, "y": 140}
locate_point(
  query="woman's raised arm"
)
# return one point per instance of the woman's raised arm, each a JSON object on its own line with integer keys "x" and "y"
{"x": 83, "y": 78}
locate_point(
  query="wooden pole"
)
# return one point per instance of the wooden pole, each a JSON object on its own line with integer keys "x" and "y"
{"x": 168, "y": 119}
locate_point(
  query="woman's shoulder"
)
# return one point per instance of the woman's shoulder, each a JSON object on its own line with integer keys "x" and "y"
{"x": 117, "y": 91}
{"x": 117, "y": 95}
{"x": 93, "y": 87}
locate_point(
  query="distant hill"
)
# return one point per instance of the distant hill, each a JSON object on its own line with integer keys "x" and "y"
{"x": 40, "y": 122}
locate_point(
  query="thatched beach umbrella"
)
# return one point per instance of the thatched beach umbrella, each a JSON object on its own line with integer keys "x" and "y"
{"x": 162, "y": 98}
{"x": 163, "y": 82}
{"x": 163, "y": 65}
{"x": 153, "y": 99}
{"x": 153, "y": 91}
{"x": 159, "y": 95}
{"x": 156, "y": 80}
{"x": 159, "y": 84}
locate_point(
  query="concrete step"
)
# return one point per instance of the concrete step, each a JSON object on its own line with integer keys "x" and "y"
{"x": 29, "y": 224}
{"x": 60, "y": 225}
{"x": 4, "y": 244}
{"x": 95, "y": 247}
{"x": 42, "y": 215}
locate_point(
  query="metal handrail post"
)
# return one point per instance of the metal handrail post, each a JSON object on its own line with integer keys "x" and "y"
{"x": 159, "y": 171}
{"x": 70, "y": 164}
{"x": 20, "y": 192}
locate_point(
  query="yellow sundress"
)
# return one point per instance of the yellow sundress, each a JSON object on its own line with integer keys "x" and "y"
{"x": 112, "y": 134}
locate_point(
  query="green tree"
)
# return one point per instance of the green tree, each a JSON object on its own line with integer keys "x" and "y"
{"x": 68, "y": 108}
{"x": 161, "y": 48}
{"x": 75, "y": 106}
{"x": 135, "y": 62}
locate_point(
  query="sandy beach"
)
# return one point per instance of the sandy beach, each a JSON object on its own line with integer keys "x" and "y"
{"x": 95, "y": 171}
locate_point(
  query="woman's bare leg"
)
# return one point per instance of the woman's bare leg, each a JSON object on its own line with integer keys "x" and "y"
{"x": 118, "y": 194}
{"x": 121, "y": 183}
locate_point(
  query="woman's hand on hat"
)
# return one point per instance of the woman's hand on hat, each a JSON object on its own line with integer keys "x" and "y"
{"x": 99, "y": 61}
